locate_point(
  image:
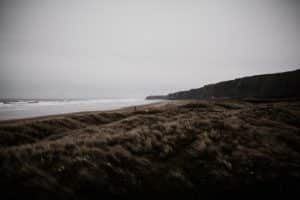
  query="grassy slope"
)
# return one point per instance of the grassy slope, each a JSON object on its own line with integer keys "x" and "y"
{"x": 189, "y": 148}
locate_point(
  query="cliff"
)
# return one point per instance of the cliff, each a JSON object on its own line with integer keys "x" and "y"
{"x": 268, "y": 86}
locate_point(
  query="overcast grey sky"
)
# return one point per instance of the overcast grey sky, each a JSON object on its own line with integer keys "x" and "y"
{"x": 133, "y": 48}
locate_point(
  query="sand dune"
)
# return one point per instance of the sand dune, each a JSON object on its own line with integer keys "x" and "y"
{"x": 173, "y": 148}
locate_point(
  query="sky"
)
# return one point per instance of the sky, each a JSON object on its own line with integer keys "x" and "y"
{"x": 135, "y": 48}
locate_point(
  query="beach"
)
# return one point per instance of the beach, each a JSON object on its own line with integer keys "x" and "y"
{"x": 25, "y": 108}
{"x": 187, "y": 148}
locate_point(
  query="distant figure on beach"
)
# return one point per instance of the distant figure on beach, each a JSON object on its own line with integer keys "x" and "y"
{"x": 134, "y": 108}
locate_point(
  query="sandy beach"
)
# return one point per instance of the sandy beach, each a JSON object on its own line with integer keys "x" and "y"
{"x": 174, "y": 148}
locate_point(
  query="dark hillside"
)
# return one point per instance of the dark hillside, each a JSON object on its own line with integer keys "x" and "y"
{"x": 269, "y": 86}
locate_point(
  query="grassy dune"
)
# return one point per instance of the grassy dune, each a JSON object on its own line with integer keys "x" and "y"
{"x": 189, "y": 148}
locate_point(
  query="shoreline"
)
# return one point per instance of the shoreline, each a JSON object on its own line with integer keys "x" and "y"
{"x": 75, "y": 113}
{"x": 160, "y": 103}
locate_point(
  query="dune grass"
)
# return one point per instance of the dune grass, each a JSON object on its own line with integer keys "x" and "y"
{"x": 191, "y": 148}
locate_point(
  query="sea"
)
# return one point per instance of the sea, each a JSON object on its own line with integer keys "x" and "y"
{"x": 27, "y": 108}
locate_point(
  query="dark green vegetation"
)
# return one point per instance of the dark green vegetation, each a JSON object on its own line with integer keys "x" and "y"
{"x": 189, "y": 148}
{"x": 269, "y": 86}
